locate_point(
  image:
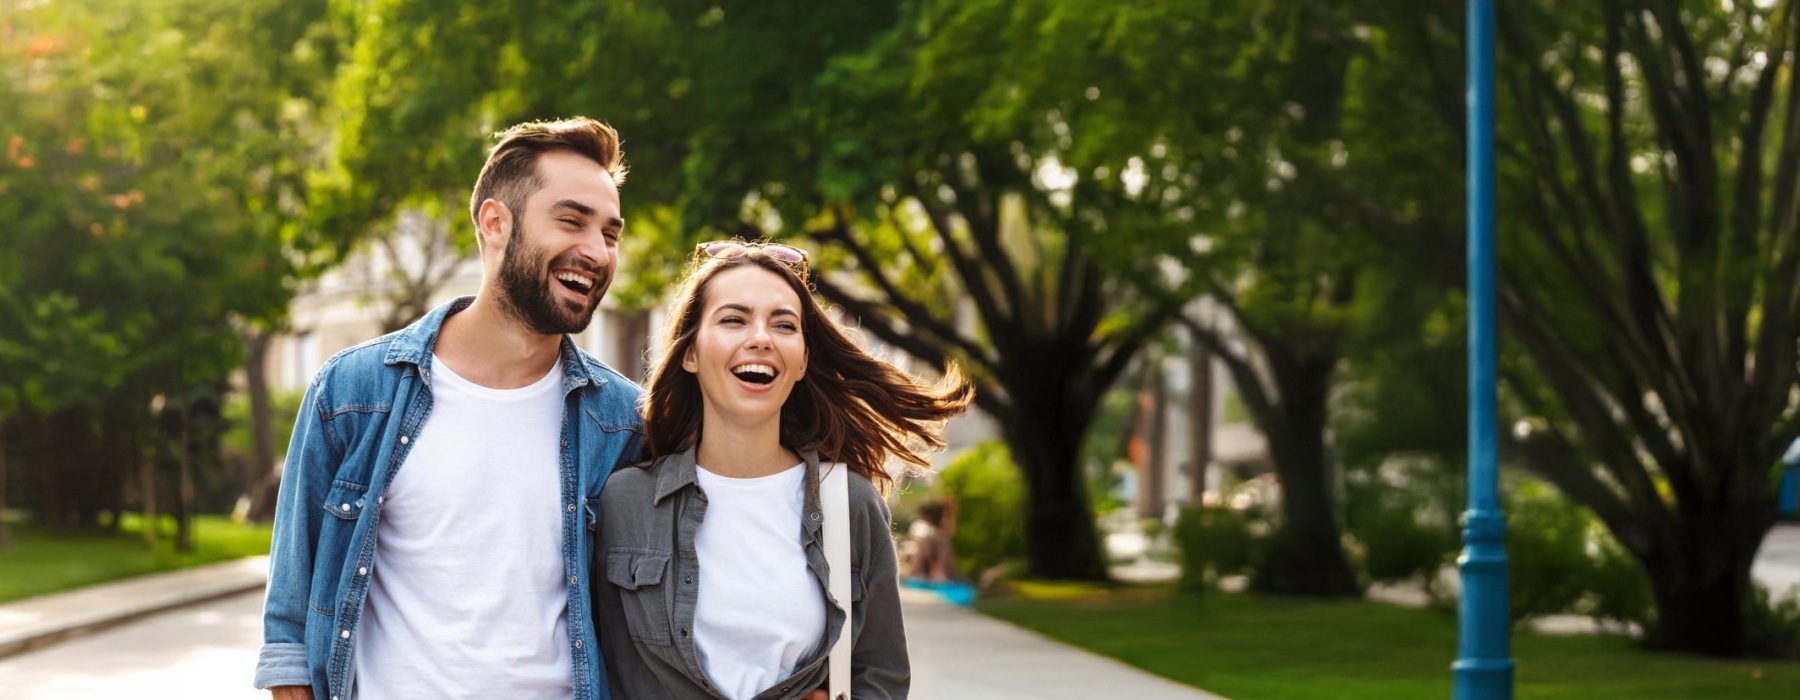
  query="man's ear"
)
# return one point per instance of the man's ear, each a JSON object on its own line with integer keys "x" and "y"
{"x": 493, "y": 224}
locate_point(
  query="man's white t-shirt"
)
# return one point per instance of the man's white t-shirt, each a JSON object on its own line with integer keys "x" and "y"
{"x": 469, "y": 597}
{"x": 760, "y": 609}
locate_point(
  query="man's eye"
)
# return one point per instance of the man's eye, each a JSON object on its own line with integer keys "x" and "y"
{"x": 570, "y": 222}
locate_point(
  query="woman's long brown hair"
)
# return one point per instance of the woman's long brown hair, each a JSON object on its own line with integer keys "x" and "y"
{"x": 850, "y": 407}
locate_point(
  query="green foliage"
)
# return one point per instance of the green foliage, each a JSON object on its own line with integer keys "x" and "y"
{"x": 1546, "y": 541}
{"x": 1775, "y": 622}
{"x": 1406, "y": 530}
{"x": 990, "y": 499}
{"x": 1213, "y": 543}
{"x": 238, "y": 442}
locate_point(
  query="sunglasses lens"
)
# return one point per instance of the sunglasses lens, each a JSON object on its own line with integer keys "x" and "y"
{"x": 723, "y": 249}
{"x": 787, "y": 254}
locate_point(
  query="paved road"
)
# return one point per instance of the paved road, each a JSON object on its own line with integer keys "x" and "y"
{"x": 207, "y": 651}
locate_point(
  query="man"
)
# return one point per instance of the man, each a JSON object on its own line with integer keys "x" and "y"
{"x": 432, "y": 537}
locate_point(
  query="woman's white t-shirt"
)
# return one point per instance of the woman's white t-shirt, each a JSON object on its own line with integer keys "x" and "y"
{"x": 760, "y": 609}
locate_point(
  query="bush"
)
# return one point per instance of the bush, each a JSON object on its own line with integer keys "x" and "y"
{"x": 990, "y": 497}
{"x": 1775, "y": 623}
{"x": 1618, "y": 587}
{"x": 1213, "y": 543}
{"x": 1400, "y": 513}
{"x": 1546, "y": 541}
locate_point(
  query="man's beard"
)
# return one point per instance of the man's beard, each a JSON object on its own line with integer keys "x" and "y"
{"x": 526, "y": 295}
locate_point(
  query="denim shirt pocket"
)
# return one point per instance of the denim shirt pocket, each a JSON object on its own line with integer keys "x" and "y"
{"x": 345, "y": 503}
{"x": 638, "y": 574}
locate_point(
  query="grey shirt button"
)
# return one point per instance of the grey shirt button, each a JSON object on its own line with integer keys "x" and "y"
{"x": 813, "y": 517}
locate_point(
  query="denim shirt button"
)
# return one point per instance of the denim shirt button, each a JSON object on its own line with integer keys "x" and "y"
{"x": 345, "y": 634}
{"x": 574, "y": 580}
{"x": 362, "y": 571}
{"x": 344, "y": 507}
{"x": 571, "y": 507}
{"x": 577, "y": 644}
{"x": 404, "y": 439}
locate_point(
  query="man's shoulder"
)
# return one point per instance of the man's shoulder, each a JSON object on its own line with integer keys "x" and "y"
{"x": 351, "y": 368}
{"x": 600, "y": 370}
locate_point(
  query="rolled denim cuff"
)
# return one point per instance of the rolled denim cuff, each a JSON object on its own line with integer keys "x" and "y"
{"x": 282, "y": 663}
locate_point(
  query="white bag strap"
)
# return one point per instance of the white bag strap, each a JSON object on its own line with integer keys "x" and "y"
{"x": 834, "y": 497}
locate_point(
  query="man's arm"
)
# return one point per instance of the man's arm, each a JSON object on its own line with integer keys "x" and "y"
{"x": 301, "y": 692}
{"x": 311, "y": 460}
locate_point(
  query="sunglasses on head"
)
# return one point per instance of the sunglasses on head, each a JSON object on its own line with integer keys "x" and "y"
{"x": 786, "y": 254}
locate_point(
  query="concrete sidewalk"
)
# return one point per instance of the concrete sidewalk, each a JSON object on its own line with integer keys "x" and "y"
{"x": 959, "y": 653}
{"x": 956, "y": 652}
{"x": 35, "y": 622}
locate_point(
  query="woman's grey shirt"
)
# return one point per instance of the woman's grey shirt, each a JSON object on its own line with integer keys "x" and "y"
{"x": 645, "y": 599}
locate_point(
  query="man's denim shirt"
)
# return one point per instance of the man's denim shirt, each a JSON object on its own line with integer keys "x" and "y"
{"x": 364, "y": 408}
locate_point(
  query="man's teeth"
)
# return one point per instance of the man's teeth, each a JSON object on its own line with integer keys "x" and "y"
{"x": 758, "y": 369}
{"x": 575, "y": 279}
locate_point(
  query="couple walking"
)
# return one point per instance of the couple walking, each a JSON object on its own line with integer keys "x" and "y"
{"x": 473, "y": 507}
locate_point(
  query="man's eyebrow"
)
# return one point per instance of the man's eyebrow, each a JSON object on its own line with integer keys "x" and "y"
{"x": 586, "y": 210}
{"x": 578, "y": 207}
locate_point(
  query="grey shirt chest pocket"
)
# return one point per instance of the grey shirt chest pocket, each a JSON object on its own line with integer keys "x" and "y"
{"x": 638, "y": 576}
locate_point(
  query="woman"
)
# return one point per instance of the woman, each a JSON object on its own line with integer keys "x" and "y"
{"x": 711, "y": 554}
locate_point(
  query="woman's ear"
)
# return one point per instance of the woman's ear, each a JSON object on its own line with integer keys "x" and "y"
{"x": 689, "y": 362}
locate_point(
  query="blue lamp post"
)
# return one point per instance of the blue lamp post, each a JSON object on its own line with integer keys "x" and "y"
{"x": 1484, "y": 667}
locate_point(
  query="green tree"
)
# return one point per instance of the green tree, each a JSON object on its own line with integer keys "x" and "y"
{"x": 149, "y": 176}
{"x": 1651, "y": 272}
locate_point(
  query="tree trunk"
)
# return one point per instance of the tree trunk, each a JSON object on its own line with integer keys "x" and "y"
{"x": 1200, "y": 421}
{"x": 1153, "y": 489}
{"x": 5, "y": 530}
{"x": 147, "y": 492}
{"x": 262, "y": 434}
{"x": 184, "y": 479}
{"x": 1701, "y": 582}
{"x": 1306, "y": 554}
{"x": 1046, "y": 433}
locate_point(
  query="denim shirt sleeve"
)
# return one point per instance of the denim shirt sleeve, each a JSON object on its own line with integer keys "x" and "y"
{"x": 880, "y": 668}
{"x": 311, "y": 460}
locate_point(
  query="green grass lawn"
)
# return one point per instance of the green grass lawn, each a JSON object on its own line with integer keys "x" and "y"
{"x": 40, "y": 563}
{"x": 1262, "y": 648}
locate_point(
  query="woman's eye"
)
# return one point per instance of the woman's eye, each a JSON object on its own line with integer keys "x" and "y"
{"x": 787, "y": 326}
{"x": 731, "y": 320}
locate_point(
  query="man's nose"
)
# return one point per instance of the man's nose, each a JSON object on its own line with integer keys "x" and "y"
{"x": 596, "y": 253}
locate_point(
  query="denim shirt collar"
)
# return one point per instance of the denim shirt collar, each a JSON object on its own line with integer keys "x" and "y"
{"x": 413, "y": 345}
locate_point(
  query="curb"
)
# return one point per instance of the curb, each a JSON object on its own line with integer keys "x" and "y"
{"x": 72, "y": 614}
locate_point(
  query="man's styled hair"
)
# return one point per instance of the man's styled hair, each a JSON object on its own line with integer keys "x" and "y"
{"x": 850, "y": 407}
{"x": 510, "y": 174}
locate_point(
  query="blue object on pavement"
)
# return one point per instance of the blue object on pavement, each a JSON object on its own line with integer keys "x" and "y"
{"x": 955, "y": 592}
